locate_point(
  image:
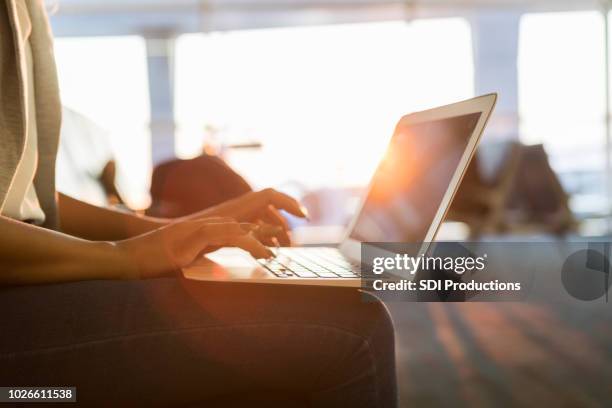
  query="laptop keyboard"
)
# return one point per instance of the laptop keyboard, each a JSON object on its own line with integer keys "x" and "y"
{"x": 311, "y": 263}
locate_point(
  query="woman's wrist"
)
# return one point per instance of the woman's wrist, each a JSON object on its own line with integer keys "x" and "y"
{"x": 118, "y": 263}
{"x": 143, "y": 256}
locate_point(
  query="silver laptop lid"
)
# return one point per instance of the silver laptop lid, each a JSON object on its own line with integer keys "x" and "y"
{"x": 413, "y": 186}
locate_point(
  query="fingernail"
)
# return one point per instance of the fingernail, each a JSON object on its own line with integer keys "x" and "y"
{"x": 248, "y": 227}
{"x": 305, "y": 212}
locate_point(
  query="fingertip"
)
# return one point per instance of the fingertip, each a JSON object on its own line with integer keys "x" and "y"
{"x": 304, "y": 211}
{"x": 284, "y": 239}
{"x": 266, "y": 256}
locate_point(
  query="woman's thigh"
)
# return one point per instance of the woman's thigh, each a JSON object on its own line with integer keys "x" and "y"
{"x": 173, "y": 341}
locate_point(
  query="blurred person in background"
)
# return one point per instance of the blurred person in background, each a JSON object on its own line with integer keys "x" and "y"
{"x": 91, "y": 299}
{"x": 183, "y": 187}
{"x": 85, "y": 167}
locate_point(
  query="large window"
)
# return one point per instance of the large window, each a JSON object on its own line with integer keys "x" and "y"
{"x": 105, "y": 79}
{"x": 321, "y": 101}
{"x": 562, "y": 99}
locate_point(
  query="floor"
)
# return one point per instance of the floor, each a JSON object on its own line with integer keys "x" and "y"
{"x": 545, "y": 353}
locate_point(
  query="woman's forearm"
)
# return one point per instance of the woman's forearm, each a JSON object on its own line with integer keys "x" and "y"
{"x": 101, "y": 224}
{"x": 33, "y": 255}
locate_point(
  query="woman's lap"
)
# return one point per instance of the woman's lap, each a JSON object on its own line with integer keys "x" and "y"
{"x": 172, "y": 341}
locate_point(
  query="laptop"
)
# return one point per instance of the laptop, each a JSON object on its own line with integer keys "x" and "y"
{"x": 406, "y": 201}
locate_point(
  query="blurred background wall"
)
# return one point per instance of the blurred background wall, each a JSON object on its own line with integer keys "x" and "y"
{"x": 303, "y": 95}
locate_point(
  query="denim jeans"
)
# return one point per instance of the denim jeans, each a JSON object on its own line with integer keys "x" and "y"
{"x": 174, "y": 342}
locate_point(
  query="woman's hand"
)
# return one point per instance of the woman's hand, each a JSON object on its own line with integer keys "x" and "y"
{"x": 102, "y": 224}
{"x": 178, "y": 244}
{"x": 52, "y": 257}
{"x": 260, "y": 207}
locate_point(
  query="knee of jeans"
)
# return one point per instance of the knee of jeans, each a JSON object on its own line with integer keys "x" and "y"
{"x": 380, "y": 322}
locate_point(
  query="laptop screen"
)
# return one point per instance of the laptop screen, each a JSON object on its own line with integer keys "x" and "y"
{"x": 412, "y": 179}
